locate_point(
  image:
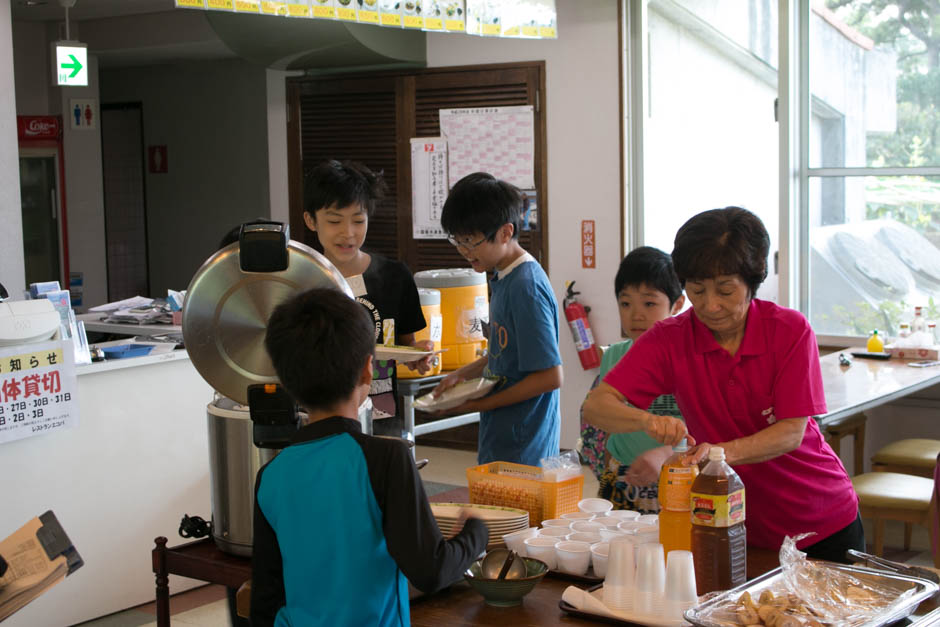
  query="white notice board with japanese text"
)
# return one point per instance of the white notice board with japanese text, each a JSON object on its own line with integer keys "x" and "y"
{"x": 428, "y": 186}
{"x": 37, "y": 389}
{"x": 498, "y": 140}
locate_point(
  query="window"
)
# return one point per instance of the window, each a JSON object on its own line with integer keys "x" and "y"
{"x": 872, "y": 177}
{"x": 708, "y": 80}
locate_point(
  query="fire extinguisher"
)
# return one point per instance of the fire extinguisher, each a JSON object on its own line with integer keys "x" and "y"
{"x": 577, "y": 316}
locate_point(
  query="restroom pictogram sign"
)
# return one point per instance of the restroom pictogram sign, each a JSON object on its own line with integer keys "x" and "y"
{"x": 588, "y": 249}
{"x": 157, "y": 159}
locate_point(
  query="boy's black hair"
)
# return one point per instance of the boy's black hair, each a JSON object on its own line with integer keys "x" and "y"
{"x": 481, "y": 203}
{"x": 341, "y": 184}
{"x": 722, "y": 241}
{"x": 319, "y": 342}
{"x": 649, "y": 266}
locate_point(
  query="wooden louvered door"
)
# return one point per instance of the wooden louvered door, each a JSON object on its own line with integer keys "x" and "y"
{"x": 372, "y": 117}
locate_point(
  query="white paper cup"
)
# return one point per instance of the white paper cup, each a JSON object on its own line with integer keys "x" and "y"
{"x": 575, "y": 516}
{"x": 589, "y": 526}
{"x": 650, "y": 579}
{"x": 621, "y": 575}
{"x": 515, "y": 541}
{"x": 595, "y": 506}
{"x": 557, "y": 522}
{"x": 624, "y": 514}
{"x": 584, "y": 536}
{"x": 573, "y": 557}
{"x": 542, "y": 548}
{"x": 554, "y": 532}
{"x": 630, "y": 526}
{"x": 649, "y": 535}
{"x": 599, "y": 555}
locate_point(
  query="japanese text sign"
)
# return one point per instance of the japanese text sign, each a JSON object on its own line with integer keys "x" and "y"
{"x": 37, "y": 389}
{"x": 588, "y": 252}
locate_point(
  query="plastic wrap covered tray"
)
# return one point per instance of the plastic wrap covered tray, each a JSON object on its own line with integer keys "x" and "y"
{"x": 922, "y": 590}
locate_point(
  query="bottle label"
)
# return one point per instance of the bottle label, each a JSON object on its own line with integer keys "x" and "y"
{"x": 583, "y": 338}
{"x": 677, "y": 483}
{"x": 718, "y": 510}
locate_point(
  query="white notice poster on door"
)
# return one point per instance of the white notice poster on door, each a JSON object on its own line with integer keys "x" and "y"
{"x": 428, "y": 186}
{"x": 498, "y": 140}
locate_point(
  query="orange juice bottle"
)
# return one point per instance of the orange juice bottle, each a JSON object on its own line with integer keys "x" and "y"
{"x": 675, "y": 516}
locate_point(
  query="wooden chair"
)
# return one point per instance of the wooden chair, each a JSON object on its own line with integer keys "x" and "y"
{"x": 915, "y": 456}
{"x": 854, "y": 426}
{"x": 906, "y": 498}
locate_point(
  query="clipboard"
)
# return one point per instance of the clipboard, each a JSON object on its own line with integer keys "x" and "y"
{"x": 55, "y": 542}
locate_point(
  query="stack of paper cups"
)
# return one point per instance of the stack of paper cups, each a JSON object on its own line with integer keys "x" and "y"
{"x": 621, "y": 575}
{"x": 680, "y": 584}
{"x": 650, "y": 580}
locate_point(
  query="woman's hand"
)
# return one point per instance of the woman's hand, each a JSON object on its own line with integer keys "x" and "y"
{"x": 697, "y": 454}
{"x": 646, "y": 467}
{"x": 422, "y": 365}
{"x": 666, "y": 429}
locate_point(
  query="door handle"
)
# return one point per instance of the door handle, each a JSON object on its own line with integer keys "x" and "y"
{"x": 53, "y": 203}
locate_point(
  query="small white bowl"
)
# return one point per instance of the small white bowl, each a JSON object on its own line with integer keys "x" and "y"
{"x": 557, "y": 522}
{"x": 624, "y": 514}
{"x": 595, "y": 506}
{"x": 649, "y": 519}
{"x": 554, "y": 532}
{"x": 609, "y": 534}
{"x": 630, "y": 526}
{"x": 599, "y": 554}
{"x": 573, "y": 557}
{"x": 610, "y": 522}
{"x": 573, "y": 516}
{"x": 589, "y": 526}
{"x": 584, "y": 536}
{"x": 515, "y": 541}
{"x": 542, "y": 548}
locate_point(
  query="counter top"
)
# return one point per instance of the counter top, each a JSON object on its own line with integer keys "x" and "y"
{"x": 130, "y": 362}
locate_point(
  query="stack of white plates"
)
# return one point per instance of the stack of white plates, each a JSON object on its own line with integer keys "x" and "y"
{"x": 499, "y": 520}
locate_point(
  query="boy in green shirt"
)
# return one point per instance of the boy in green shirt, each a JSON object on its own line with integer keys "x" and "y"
{"x": 628, "y": 464}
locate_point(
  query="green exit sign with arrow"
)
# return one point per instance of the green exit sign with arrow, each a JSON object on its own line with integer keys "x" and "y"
{"x": 71, "y": 64}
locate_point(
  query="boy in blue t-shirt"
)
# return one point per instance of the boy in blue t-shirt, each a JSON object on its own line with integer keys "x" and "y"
{"x": 628, "y": 464}
{"x": 520, "y": 420}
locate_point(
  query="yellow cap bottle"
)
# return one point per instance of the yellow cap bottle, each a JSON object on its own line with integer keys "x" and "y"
{"x": 875, "y": 345}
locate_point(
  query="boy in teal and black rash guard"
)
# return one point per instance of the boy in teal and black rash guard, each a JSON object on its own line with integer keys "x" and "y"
{"x": 341, "y": 518}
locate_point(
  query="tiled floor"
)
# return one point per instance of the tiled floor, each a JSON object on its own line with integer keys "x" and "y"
{"x": 207, "y": 606}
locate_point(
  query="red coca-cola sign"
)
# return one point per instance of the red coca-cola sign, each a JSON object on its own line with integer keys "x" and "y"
{"x": 38, "y": 126}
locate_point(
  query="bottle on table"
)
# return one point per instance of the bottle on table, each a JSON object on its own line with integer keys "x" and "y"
{"x": 675, "y": 488}
{"x": 719, "y": 539}
{"x": 904, "y": 330}
{"x": 875, "y": 344}
{"x": 932, "y": 331}
{"x": 918, "y": 324}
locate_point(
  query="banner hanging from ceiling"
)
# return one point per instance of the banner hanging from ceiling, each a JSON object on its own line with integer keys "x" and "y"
{"x": 523, "y": 19}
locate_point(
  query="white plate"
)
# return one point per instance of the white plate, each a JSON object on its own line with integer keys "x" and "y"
{"x": 483, "y": 512}
{"x": 460, "y": 393}
{"x": 400, "y": 353}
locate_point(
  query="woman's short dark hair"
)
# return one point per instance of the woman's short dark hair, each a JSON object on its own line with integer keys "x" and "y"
{"x": 341, "y": 184}
{"x": 720, "y": 242}
{"x": 319, "y": 342}
{"x": 481, "y": 203}
{"x": 648, "y": 266}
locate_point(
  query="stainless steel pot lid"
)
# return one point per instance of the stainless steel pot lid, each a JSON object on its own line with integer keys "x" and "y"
{"x": 227, "y": 310}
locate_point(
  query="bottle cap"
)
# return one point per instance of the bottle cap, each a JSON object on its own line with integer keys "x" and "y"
{"x": 682, "y": 446}
{"x": 716, "y": 454}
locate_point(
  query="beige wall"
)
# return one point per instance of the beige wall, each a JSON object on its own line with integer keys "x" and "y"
{"x": 212, "y": 116}
{"x": 583, "y": 162}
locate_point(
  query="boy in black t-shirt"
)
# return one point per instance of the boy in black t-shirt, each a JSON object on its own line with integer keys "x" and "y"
{"x": 338, "y": 200}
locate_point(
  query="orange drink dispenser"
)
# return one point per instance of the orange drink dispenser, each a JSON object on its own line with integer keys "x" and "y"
{"x": 464, "y": 308}
{"x": 431, "y": 307}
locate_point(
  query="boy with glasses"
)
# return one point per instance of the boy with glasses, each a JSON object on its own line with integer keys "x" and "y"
{"x": 519, "y": 421}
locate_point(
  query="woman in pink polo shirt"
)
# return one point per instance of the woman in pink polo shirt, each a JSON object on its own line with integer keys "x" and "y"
{"x": 745, "y": 374}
